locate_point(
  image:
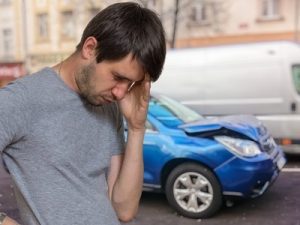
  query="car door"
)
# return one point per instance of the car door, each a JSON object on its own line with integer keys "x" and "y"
{"x": 153, "y": 156}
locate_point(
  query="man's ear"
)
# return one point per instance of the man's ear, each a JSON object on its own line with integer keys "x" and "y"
{"x": 89, "y": 48}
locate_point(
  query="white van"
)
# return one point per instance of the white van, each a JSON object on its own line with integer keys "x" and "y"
{"x": 261, "y": 79}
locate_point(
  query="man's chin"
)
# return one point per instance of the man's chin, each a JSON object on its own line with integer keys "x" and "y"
{"x": 98, "y": 101}
{"x": 94, "y": 101}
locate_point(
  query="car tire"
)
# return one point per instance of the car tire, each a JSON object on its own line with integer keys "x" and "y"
{"x": 193, "y": 191}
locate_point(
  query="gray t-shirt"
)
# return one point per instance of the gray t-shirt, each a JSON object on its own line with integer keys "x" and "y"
{"x": 57, "y": 148}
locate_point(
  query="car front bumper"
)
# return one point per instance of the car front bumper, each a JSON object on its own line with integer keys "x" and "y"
{"x": 249, "y": 178}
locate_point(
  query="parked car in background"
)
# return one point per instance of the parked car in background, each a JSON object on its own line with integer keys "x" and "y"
{"x": 198, "y": 162}
{"x": 262, "y": 79}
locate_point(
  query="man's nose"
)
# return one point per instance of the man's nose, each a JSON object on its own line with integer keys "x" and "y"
{"x": 120, "y": 90}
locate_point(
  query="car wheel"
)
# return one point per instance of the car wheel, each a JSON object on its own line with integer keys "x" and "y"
{"x": 193, "y": 191}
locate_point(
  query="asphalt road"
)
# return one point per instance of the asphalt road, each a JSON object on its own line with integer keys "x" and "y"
{"x": 279, "y": 206}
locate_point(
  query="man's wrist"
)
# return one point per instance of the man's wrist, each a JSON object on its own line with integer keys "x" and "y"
{"x": 2, "y": 218}
{"x": 137, "y": 130}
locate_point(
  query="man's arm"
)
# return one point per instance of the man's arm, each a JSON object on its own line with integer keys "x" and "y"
{"x": 13, "y": 122}
{"x": 125, "y": 180}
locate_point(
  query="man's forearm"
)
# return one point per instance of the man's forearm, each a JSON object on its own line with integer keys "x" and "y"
{"x": 128, "y": 187}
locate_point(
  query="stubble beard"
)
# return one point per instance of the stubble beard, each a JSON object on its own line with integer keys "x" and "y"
{"x": 84, "y": 83}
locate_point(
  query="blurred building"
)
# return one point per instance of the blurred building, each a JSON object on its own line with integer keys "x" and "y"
{"x": 11, "y": 41}
{"x": 54, "y": 27}
{"x": 213, "y": 22}
{"x": 38, "y": 33}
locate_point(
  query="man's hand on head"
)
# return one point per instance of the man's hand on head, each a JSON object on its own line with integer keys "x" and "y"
{"x": 134, "y": 105}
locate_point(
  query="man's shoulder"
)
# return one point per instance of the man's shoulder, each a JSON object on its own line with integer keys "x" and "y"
{"x": 30, "y": 84}
{"x": 35, "y": 80}
{"x": 42, "y": 74}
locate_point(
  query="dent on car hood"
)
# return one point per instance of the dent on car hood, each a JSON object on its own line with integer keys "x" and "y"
{"x": 244, "y": 124}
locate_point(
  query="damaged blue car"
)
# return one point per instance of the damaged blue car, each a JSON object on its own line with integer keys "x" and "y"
{"x": 198, "y": 162}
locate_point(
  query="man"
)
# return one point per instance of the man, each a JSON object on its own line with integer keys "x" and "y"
{"x": 61, "y": 129}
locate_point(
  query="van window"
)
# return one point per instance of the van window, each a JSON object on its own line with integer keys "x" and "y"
{"x": 296, "y": 77}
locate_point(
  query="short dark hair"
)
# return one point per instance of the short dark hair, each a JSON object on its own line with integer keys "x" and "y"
{"x": 127, "y": 27}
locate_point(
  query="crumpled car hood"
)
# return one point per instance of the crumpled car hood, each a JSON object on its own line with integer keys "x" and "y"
{"x": 244, "y": 124}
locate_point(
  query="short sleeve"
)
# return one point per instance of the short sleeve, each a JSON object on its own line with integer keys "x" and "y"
{"x": 119, "y": 132}
{"x": 12, "y": 114}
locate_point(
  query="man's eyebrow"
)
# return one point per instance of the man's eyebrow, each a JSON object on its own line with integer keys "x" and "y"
{"x": 120, "y": 76}
{"x": 125, "y": 78}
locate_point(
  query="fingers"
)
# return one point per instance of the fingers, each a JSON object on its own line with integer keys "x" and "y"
{"x": 141, "y": 89}
{"x": 146, "y": 94}
{"x": 146, "y": 88}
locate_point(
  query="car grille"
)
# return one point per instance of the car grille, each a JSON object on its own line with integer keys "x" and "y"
{"x": 268, "y": 144}
{"x": 262, "y": 130}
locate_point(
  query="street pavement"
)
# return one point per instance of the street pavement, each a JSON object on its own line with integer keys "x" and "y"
{"x": 279, "y": 206}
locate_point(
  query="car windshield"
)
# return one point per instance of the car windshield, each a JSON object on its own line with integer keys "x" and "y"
{"x": 170, "y": 112}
